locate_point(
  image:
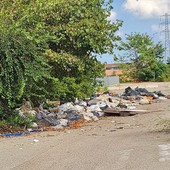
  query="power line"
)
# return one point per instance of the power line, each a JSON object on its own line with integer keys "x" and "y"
{"x": 167, "y": 36}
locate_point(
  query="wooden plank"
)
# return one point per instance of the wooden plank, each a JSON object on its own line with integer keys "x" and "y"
{"x": 122, "y": 112}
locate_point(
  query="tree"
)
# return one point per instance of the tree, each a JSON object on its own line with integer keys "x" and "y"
{"x": 22, "y": 61}
{"x": 145, "y": 57}
{"x": 46, "y": 41}
{"x": 79, "y": 31}
{"x": 74, "y": 31}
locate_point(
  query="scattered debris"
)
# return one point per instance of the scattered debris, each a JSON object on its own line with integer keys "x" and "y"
{"x": 60, "y": 116}
{"x": 35, "y": 141}
{"x": 15, "y": 134}
{"x": 26, "y": 107}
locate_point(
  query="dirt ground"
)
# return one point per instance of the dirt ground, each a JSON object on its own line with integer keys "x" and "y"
{"x": 112, "y": 143}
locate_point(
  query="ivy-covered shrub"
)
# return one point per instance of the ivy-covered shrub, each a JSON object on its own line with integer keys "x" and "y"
{"x": 68, "y": 89}
{"x": 48, "y": 49}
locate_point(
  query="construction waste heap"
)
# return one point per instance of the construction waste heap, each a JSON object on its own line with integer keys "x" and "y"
{"x": 59, "y": 116}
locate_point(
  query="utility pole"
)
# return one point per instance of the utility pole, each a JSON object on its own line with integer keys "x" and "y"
{"x": 167, "y": 36}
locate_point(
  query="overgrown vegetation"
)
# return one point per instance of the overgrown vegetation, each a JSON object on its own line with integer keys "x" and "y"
{"x": 16, "y": 122}
{"x": 48, "y": 50}
{"x": 145, "y": 59}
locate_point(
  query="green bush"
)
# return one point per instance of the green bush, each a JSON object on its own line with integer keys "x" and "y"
{"x": 75, "y": 90}
{"x": 17, "y": 120}
{"x": 166, "y": 75}
{"x": 68, "y": 89}
{"x": 48, "y": 50}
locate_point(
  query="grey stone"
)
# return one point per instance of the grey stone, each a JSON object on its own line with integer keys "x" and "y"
{"x": 53, "y": 122}
{"x": 98, "y": 114}
{"x": 162, "y": 98}
{"x": 102, "y": 104}
{"x": 144, "y": 101}
{"x": 73, "y": 116}
{"x": 89, "y": 116}
{"x": 58, "y": 127}
{"x": 34, "y": 125}
{"x": 94, "y": 102}
{"x": 65, "y": 107}
{"x": 83, "y": 103}
{"x": 79, "y": 108}
{"x": 95, "y": 118}
{"x": 63, "y": 122}
{"x": 62, "y": 116}
{"x": 94, "y": 108}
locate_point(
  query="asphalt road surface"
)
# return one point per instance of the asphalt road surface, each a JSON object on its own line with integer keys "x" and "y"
{"x": 113, "y": 143}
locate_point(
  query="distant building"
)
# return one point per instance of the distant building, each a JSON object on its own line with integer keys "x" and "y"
{"x": 112, "y": 70}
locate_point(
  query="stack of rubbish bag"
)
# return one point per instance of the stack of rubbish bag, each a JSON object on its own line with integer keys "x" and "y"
{"x": 142, "y": 95}
{"x": 142, "y": 92}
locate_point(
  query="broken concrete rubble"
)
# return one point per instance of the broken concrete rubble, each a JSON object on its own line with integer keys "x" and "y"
{"x": 90, "y": 110}
{"x": 144, "y": 101}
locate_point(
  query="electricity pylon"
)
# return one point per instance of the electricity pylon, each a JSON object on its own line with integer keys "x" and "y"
{"x": 167, "y": 36}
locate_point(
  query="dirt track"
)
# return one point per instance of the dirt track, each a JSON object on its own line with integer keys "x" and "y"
{"x": 113, "y": 143}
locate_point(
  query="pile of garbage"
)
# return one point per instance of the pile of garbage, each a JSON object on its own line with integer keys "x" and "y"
{"x": 61, "y": 116}
{"x": 142, "y": 96}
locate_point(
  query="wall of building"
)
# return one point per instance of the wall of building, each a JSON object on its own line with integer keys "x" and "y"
{"x": 109, "y": 80}
{"x": 112, "y": 70}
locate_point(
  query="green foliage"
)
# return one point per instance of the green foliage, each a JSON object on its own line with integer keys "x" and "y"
{"x": 77, "y": 90}
{"x": 48, "y": 49}
{"x": 68, "y": 32}
{"x": 18, "y": 121}
{"x": 78, "y": 30}
{"x": 64, "y": 64}
{"x": 145, "y": 58}
{"x": 21, "y": 59}
{"x": 101, "y": 88}
{"x": 166, "y": 75}
{"x": 127, "y": 72}
{"x": 47, "y": 105}
{"x": 68, "y": 89}
{"x": 80, "y": 27}
{"x": 56, "y": 89}
{"x": 15, "y": 120}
